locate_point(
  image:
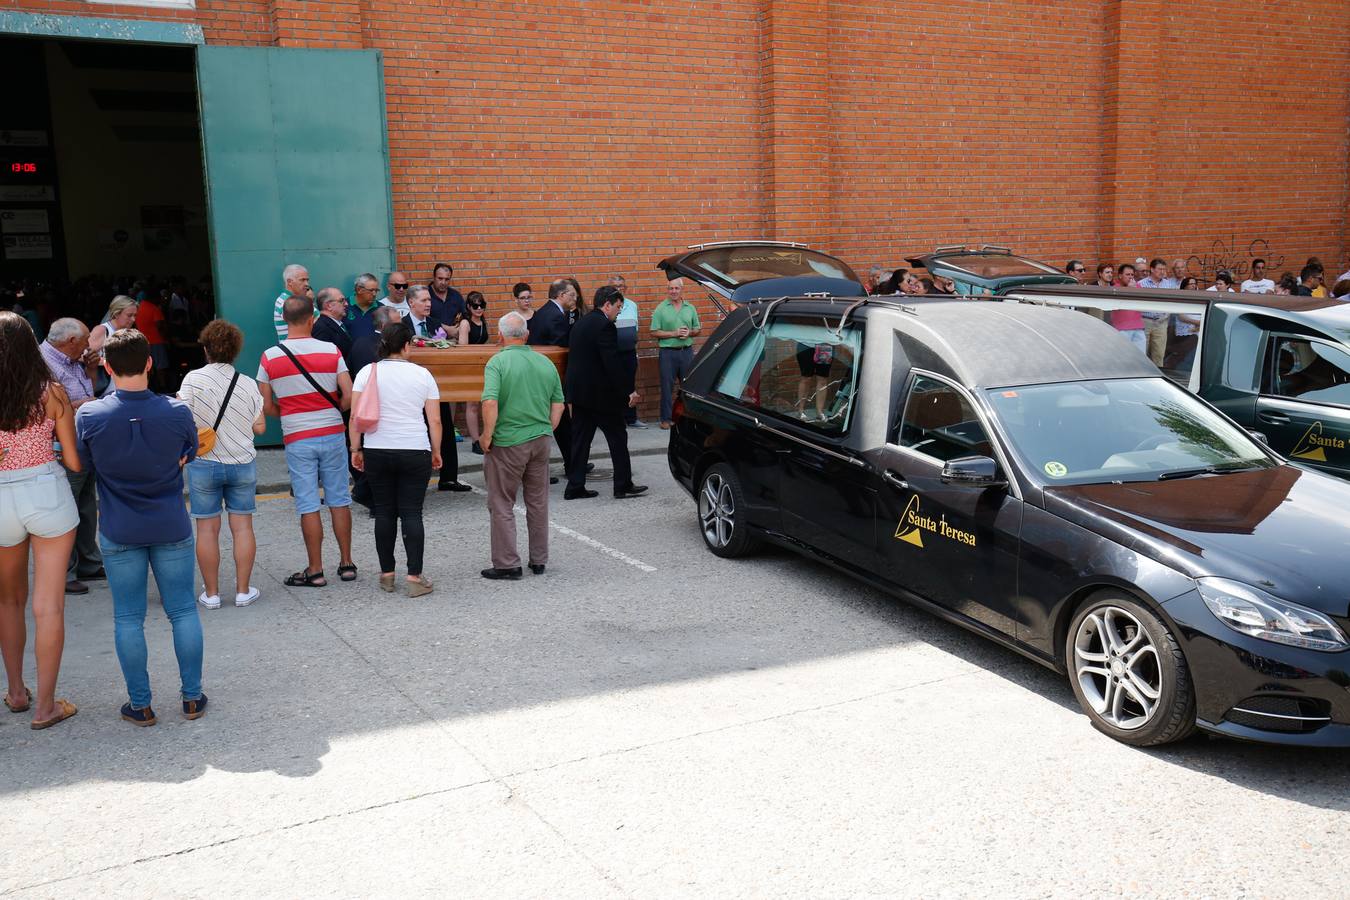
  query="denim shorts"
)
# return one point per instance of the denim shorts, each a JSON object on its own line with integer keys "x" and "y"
{"x": 319, "y": 461}
{"x": 211, "y": 482}
{"x": 36, "y": 501}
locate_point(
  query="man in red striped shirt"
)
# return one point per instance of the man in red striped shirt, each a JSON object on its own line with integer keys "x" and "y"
{"x": 305, "y": 382}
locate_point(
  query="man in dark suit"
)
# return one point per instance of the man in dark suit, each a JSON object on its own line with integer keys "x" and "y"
{"x": 332, "y": 309}
{"x": 425, "y": 325}
{"x": 549, "y": 324}
{"x": 599, "y": 388}
{"x": 419, "y": 317}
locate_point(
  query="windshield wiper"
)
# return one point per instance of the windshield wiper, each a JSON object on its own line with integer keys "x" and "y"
{"x": 1207, "y": 470}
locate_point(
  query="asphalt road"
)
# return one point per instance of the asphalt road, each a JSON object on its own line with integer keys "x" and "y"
{"x": 645, "y": 720}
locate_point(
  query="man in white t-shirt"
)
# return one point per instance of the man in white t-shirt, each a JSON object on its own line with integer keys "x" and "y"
{"x": 1258, "y": 283}
{"x": 397, "y": 298}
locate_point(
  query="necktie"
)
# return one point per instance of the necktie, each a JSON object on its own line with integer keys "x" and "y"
{"x": 423, "y": 326}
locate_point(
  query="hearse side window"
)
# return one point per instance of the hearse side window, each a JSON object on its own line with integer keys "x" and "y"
{"x": 940, "y": 422}
{"x": 796, "y": 367}
{"x": 1309, "y": 370}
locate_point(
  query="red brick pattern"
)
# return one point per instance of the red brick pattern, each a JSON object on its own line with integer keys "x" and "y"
{"x": 588, "y": 137}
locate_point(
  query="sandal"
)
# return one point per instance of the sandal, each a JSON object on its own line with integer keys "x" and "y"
{"x": 305, "y": 578}
{"x": 347, "y": 572}
{"x": 419, "y": 587}
{"x": 387, "y": 583}
{"x": 23, "y": 708}
{"x": 65, "y": 710}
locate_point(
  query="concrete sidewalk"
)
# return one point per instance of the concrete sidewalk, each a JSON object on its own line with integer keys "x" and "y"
{"x": 273, "y": 478}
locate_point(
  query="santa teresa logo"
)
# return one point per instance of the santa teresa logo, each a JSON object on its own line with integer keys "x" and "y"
{"x": 1314, "y": 444}
{"x": 913, "y": 523}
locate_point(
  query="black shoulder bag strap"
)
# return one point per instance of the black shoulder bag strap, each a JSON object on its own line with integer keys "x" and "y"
{"x": 226, "y": 402}
{"x": 310, "y": 378}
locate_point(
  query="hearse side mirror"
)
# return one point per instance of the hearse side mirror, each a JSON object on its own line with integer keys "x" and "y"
{"x": 1259, "y": 436}
{"x": 978, "y": 471}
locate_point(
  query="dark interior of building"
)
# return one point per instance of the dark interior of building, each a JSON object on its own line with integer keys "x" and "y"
{"x": 101, "y": 184}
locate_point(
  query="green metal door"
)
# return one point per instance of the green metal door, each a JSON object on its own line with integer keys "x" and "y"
{"x": 297, "y": 171}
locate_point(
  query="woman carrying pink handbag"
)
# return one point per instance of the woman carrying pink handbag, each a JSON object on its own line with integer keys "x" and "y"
{"x": 395, "y": 434}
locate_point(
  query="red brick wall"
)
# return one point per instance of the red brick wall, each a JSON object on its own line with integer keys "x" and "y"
{"x": 587, "y": 137}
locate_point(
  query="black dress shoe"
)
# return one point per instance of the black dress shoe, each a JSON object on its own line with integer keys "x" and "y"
{"x": 590, "y": 467}
{"x": 579, "y": 494}
{"x": 477, "y": 448}
{"x": 553, "y": 479}
{"x": 97, "y": 575}
{"x": 76, "y": 587}
{"x": 458, "y": 487}
{"x": 633, "y": 490}
{"x": 537, "y": 568}
{"x": 499, "y": 574}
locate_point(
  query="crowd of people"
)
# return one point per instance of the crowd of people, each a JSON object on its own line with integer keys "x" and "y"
{"x": 95, "y": 454}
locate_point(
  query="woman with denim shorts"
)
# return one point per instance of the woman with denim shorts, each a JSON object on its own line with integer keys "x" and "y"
{"x": 37, "y": 509}
{"x": 227, "y": 476}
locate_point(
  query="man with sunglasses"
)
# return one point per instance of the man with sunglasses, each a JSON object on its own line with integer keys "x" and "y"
{"x": 397, "y": 298}
{"x": 1077, "y": 270}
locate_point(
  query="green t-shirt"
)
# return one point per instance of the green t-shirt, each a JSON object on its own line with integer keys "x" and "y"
{"x": 667, "y": 318}
{"x": 525, "y": 385}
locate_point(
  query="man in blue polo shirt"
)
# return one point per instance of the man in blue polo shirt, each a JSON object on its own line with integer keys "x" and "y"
{"x": 137, "y": 443}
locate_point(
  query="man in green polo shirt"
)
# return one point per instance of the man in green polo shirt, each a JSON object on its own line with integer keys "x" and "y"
{"x": 675, "y": 325}
{"x": 522, "y": 403}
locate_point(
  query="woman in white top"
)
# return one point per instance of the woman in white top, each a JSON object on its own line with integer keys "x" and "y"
{"x": 227, "y": 476}
{"x": 399, "y": 454}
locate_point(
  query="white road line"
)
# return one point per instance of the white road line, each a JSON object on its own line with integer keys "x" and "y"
{"x": 592, "y": 542}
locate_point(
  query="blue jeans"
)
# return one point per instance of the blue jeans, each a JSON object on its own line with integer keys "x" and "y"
{"x": 127, "y": 566}
{"x": 319, "y": 460}
{"x": 675, "y": 362}
{"x": 211, "y": 484}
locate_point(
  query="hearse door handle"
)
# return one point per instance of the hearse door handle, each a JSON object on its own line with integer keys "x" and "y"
{"x": 895, "y": 479}
{"x": 1274, "y": 418}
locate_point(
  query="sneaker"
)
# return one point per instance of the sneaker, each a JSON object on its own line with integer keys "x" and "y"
{"x": 246, "y": 599}
{"x": 143, "y": 718}
{"x": 210, "y": 601}
{"x": 194, "y": 709}
{"x": 638, "y": 423}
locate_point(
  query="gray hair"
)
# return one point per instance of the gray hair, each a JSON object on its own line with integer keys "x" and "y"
{"x": 384, "y": 315}
{"x": 63, "y": 330}
{"x": 415, "y": 289}
{"x": 617, "y": 279}
{"x": 289, "y": 273}
{"x": 366, "y": 278}
{"x": 513, "y": 325}
{"x": 324, "y": 295}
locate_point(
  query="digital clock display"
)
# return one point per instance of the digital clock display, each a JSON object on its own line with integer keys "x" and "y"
{"x": 23, "y": 168}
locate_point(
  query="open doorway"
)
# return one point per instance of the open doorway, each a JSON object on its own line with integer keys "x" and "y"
{"x": 102, "y": 191}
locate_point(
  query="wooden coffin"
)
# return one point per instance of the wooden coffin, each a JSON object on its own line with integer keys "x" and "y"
{"x": 459, "y": 370}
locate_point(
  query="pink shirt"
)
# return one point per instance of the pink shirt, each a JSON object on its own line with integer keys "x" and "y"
{"x": 28, "y": 448}
{"x": 1127, "y": 320}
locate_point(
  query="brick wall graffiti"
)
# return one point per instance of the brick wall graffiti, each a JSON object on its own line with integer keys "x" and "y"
{"x": 1238, "y": 261}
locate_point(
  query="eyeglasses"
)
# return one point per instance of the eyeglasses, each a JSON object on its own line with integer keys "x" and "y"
{"x": 1078, "y": 271}
{"x": 398, "y": 287}
{"x": 477, "y": 306}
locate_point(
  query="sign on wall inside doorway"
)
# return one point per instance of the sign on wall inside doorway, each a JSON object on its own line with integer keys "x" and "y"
{"x": 24, "y": 221}
{"x": 27, "y": 246}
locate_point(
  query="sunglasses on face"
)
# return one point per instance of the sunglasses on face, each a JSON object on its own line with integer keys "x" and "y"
{"x": 398, "y": 287}
{"x": 477, "y": 306}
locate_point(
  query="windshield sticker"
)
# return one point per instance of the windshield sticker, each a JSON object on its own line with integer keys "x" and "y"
{"x": 1056, "y": 469}
{"x": 913, "y": 523}
{"x": 1009, "y": 394}
{"x": 1314, "y": 444}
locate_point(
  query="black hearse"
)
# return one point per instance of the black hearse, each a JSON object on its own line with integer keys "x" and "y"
{"x": 1026, "y": 472}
